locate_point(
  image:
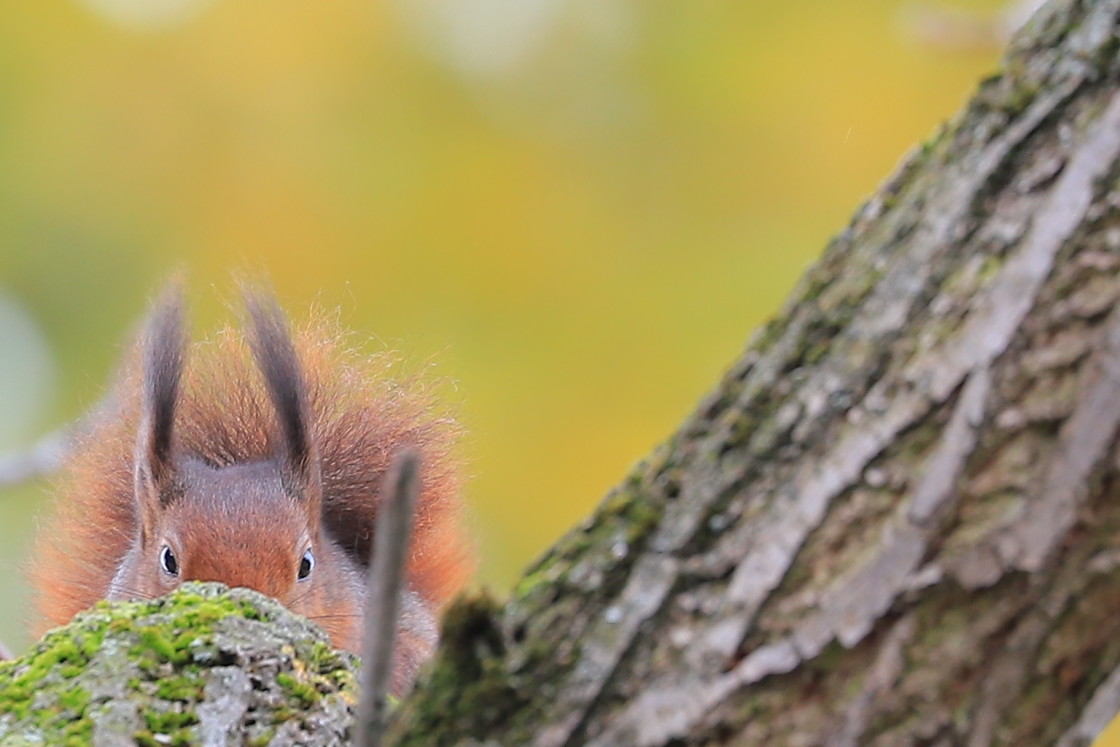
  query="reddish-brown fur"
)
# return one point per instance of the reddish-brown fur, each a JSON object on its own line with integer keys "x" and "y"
{"x": 360, "y": 418}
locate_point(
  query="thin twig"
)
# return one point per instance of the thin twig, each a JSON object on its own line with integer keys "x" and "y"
{"x": 46, "y": 456}
{"x": 386, "y": 576}
{"x": 42, "y": 458}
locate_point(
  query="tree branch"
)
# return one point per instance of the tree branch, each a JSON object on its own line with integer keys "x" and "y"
{"x": 43, "y": 458}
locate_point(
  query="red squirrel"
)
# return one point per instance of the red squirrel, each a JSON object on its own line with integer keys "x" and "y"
{"x": 256, "y": 460}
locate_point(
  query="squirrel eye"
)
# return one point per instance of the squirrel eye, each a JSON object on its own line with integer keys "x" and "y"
{"x": 168, "y": 562}
{"x": 306, "y": 563}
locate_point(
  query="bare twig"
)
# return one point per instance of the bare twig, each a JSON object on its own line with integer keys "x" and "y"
{"x": 45, "y": 456}
{"x": 386, "y": 576}
{"x": 42, "y": 458}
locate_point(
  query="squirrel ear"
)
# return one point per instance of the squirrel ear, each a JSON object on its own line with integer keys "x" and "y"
{"x": 163, "y": 345}
{"x": 276, "y": 357}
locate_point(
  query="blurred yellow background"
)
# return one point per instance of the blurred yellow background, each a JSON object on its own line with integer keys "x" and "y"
{"x": 575, "y": 211}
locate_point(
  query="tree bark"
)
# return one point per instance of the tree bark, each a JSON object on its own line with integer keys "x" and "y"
{"x": 895, "y": 520}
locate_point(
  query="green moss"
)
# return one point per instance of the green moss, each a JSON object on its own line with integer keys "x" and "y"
{"x": 532, "y": 580}
{"x": 301, "y": 691}
{"x": 24, "y": 692}
{"x": 177, "y": 738}
{"x": 249, "y": 612}
{"x": 834, "y": 655}
{"x": 166, "y": 722}
{"x": 153, "y": 642}
{"x": 77, "y": 731}
{"x": 468, "y": 686}
{"x": 180, "y": 688}
{"x": 621, "y": 524}
{"x": 1021, "y": 94}
{"x": 262, "y": 740}
{"x": 160, "y": 655}
{"x": 931, "y": 143}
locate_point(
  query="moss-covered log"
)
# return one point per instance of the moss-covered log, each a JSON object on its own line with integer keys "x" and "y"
{"x": 895, "y": 520}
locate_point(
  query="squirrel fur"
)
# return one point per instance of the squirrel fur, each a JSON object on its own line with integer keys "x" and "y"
{"x": 255, "y": 460}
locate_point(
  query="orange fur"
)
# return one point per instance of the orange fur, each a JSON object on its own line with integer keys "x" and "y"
{"x": 360, "y": 417}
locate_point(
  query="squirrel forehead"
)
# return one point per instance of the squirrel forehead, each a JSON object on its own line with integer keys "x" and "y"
{"x": 236, "y": 525}
{"x": 245, "y": 501}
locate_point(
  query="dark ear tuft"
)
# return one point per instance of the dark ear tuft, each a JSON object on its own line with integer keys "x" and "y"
{"x": 163, "y": 352}
{"x": 276, "y": 357}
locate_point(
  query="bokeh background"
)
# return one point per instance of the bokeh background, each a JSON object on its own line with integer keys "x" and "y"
{"x": 574, "y": 212}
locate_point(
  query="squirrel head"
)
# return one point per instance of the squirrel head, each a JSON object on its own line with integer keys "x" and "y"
{"x": 236, "y": 524}
{"x": 255, "y": 524}
{"x": 259, "y": 462}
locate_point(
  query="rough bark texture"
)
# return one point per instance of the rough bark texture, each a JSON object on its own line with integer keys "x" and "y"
{"x": 895, "y": 521}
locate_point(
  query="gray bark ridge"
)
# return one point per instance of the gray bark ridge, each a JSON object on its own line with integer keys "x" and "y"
{"x": 894, "y": 521}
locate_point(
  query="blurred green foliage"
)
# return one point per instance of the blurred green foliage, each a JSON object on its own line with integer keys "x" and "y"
{"x": 574, "y": 211}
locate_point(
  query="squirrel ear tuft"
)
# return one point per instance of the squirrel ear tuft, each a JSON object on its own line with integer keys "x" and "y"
{"x": 276, "y": 357}
{"x": 164, "y": 345}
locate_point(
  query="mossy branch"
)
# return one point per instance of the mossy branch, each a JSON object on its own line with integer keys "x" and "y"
{"x": 204, "y": 665}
